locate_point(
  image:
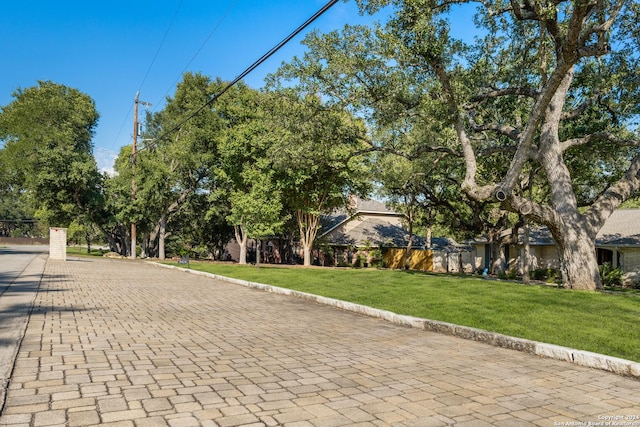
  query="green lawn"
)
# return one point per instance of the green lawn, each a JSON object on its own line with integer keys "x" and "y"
{"x": 82, "y": 251}
{"x": 597, "y": 322}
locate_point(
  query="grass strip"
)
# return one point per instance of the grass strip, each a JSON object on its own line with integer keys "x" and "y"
{"x": 592, "y": 321}
{"x": 82, "y": 251}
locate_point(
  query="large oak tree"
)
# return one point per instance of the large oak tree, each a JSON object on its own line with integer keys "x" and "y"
{"x": 549, "y": 86}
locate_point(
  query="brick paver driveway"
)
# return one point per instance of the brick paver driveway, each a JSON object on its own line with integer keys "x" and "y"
{"x": 129, "y": 344}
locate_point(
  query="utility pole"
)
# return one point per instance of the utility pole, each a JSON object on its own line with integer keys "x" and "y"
{"x": 136, "y": 101}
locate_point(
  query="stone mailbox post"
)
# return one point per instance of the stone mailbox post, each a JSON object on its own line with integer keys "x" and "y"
{"x": 58, "y": 243}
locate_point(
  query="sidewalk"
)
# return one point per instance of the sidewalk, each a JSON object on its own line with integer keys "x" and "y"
{"x": 122, "y": 343}
{"x": 20, "y": 275}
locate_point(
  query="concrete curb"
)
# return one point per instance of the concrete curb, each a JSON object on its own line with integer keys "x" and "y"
{"x": 550, "y": 351}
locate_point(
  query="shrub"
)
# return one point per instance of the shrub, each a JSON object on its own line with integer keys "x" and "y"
{"x": 610, "y": 276}
{"x": 548, "y": 275}
{"x": 539, "y": 274}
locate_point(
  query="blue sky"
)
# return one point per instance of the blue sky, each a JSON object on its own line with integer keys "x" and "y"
{"x": 106, "y": 48}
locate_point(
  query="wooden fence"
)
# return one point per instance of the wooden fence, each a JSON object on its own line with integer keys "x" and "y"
{"x": 419, "y": 259}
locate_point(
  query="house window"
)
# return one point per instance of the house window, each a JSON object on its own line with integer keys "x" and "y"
{"x": 605, "y": 256}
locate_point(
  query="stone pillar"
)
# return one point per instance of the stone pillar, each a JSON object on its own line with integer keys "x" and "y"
{"x": 58, "y": 243}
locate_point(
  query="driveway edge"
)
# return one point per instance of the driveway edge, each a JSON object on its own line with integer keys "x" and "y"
{"x": 550, "y": 351}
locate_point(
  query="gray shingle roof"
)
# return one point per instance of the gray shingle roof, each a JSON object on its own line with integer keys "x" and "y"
{"x": 622, "y": 228}
{"x": 377, "y": 231}
{"x": 328, "y": 222}
{"x": 377, "y": 228}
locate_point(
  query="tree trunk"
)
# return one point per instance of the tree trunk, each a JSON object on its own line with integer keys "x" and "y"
{"x": 127, "y": 246}
{"x": 409, "y": 203}
{"x": 242, "y": 240}
{"x": 496, "y": 251}
{"x": 570, "y": 229}
{"x": 144, "y": 247}
{"x": 308, "y": 226}
{"x": 307, "y": 248}
{"x": 578, "y": 260}
{"x": 526, "y": 253}
{"x": 162, "y": 237}
{"x": 258, "y": 249}
{"x": 407, "y": 254}
{"x": 114, "y": 244}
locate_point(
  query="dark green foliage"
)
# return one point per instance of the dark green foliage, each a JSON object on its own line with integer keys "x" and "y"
{"x": 47, "y": 152}
{"x": 548, "y": 275}
{"x": 610, "y": 276}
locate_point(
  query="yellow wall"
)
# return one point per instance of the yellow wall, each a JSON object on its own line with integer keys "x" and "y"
{"x": 418, "y": 259}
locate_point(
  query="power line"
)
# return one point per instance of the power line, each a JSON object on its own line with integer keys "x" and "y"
{"x": 253, "y": 66}
{"x": 161, "y": 44}
{"x": 155, "y": 56}
{"x": 213, "y": 31}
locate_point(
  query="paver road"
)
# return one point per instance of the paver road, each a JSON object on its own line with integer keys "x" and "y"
{"x": 124, "y": 343}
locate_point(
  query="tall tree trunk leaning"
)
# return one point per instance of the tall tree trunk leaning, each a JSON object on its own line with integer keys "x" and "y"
{"x": 540, "y": 141}
{"x": 575, "y": 242}
{"x": 241, "y": 239}
{"x": 308, "y": 226}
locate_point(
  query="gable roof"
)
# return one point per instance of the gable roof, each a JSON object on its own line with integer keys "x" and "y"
{"x": 359, "y": 206}
{"x": 376, "y": 231}
{"x": 378, "y": 228}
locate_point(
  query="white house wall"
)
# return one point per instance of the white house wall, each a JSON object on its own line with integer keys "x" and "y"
{"x": 630, "y": 259}
{"x": 541, "y": 257}
{"x": 449, "y": 262}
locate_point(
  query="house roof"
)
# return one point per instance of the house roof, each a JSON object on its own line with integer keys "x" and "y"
{"x": 359, "y": 206}
{"x": 378, "y": 227}
{"x": 377, "y": 231}
{"x": 622, "y": 228}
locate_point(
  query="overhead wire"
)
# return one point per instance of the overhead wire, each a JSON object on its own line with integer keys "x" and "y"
{"x": 242, "y": 75}
{"x": 195, "y": 55}
{"x": 153, "y": 60}
{"x": 161, "y": 44}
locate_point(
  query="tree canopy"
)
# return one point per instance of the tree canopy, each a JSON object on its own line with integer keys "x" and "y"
{"x": 47, "y": 131}
{"x": 545, "y": 91}
{"x": 318, "y": 155}
{"x": 534, "y": 120}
